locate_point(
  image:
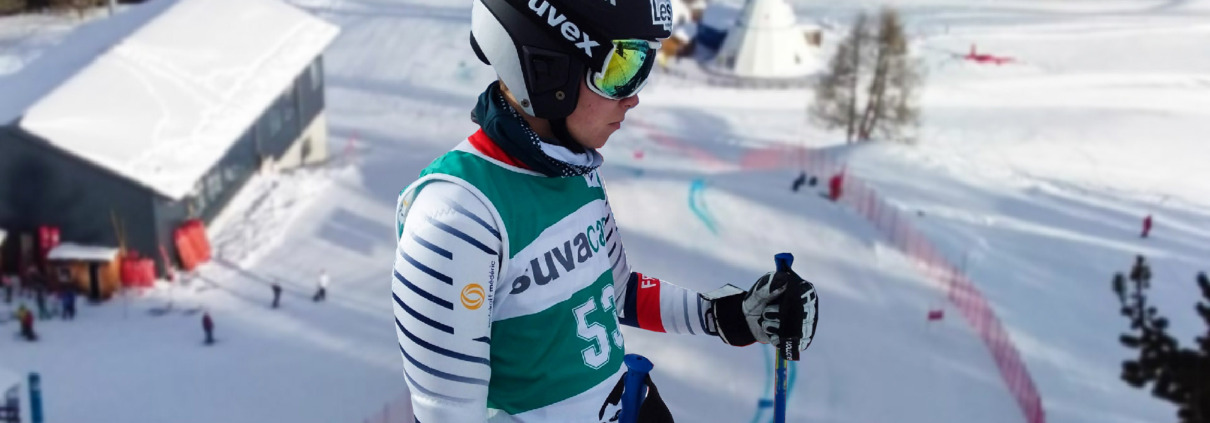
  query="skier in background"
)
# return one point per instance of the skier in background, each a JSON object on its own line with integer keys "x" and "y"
{"x": 208, "y": 327}
{"x": 322, "y": 292}
{"x": 836, "y": 186}
{"x": 276, "y": 294}
{"x": 26, "y": 318}
{"x": 510, "y": 277}
{"x": 68, "y": 296}
{"x": 798, "y": 182}
{"x": 1146, "y": 227}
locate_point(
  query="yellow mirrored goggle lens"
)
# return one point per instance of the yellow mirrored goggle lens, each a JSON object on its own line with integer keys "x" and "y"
{"x": 627, "y": 68}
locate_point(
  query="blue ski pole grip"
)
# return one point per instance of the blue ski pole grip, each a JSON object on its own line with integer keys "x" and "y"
{"x": 783, "y": 261}
{"x": 634, "y": 387}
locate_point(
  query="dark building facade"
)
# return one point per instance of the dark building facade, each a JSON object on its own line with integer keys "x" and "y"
{"x": 41, "y": 184}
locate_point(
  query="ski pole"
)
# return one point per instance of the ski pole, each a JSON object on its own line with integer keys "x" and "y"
{"x": 634, "y": 388}
{"x": 789, "y": 333}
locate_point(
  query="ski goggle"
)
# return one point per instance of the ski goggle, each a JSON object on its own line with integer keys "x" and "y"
{"x": 626, "y": 69}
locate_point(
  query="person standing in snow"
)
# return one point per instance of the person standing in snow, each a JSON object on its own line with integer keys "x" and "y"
{"x": 276, "y": 294}
{"x": 26, "y": 319}
{"x": 8, "y": 283}
{"x": 322, "y": 292}
{"x": 836, "y": 186}
{"x": 510, "y": 278}
{"x": 1146, "y": 227}
{"x": 798, "y": 182}
{"x": 208, "y": 327}
{"x": 69, "y": 303}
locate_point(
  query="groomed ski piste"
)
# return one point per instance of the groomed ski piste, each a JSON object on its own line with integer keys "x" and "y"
{"x": 1031, "y": 176}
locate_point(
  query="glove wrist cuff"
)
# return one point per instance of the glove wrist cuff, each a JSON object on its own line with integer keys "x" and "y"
{"x": 728, "y": 316}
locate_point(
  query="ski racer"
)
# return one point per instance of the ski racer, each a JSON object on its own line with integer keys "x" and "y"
{"x": 510, "y": 277}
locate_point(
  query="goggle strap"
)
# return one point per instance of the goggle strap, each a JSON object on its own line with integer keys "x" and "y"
{"x": 588, "y": 36}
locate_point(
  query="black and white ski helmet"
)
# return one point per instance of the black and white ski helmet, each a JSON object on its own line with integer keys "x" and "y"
{"x": 543, "y": 49}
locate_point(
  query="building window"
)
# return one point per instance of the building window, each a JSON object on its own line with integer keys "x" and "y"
{"x": 286, "y": 104}
{"x": 198, "y": 203}
{"x": 214, "y": 185}
{"x": 316, "y": 74}
{"x": 274, "y": 121}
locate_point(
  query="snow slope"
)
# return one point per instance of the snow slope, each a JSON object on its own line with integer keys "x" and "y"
{"x": 1039, "y": 171}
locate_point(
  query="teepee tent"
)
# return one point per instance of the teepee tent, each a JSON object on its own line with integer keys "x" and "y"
{"x": 767, "y": 42}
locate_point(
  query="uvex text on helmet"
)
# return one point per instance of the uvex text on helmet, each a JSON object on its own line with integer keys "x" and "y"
{"x": 542, "y": 49}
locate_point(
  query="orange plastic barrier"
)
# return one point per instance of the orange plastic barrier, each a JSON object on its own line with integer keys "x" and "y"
{"x": 185, "y": 249}
{"x": 197, "y": 235}
{"x": 137, "y": 271}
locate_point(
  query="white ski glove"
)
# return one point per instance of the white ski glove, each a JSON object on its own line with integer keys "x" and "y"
{"x": 743, "y": 317}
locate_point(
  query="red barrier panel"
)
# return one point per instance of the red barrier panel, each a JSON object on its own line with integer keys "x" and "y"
{"x": 145, "y": 269}
{"x": 185, "y": 249}
{"x": 48, "y": 239}
{"x": 137, "y": 271}
{"x": 197, "y": 235}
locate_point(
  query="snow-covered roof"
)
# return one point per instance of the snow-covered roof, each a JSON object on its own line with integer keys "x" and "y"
{"x": 72, "y": 251}
{"x": 160, "y": 92}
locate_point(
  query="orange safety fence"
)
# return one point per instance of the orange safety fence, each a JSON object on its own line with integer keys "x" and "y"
{"x": 900, "y": 229}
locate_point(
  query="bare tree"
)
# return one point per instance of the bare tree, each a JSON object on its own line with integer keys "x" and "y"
{"x": 879, "y": 60}
{"x": 890, "y": 106}
{"x": 836, "y": 99}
